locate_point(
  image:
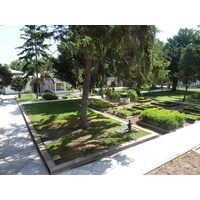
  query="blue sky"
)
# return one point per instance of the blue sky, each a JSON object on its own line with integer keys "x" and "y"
{"x": 10, "y": 38}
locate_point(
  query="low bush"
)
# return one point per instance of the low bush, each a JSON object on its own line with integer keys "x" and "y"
{"x": 145, "y": 106}
{"x": 143, "y": 99}
{"x": 191, "y": 116}
{"x": 111, "y": 95}
{"x": 165, "y": 103}
{"x": 100, "y": 103}
{"x": 163, "y": 118}
{"x": 132, "y": 95}
{"x": 124, "y": 112}
{"x": 49, "y": 96}
{"x": 193, "y": 108}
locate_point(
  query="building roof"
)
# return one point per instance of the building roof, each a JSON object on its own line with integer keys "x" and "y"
{"x": 16, "y": 72}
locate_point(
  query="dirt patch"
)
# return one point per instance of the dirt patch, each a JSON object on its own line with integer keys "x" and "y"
{"x": 186, "y": 164}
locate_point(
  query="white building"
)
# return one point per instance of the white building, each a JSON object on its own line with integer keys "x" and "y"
{"x": 45, "y": 85}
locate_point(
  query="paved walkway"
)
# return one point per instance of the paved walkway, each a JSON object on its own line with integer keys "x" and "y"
{"x": 18, "y": 154}
{"x": 144, "y": 157}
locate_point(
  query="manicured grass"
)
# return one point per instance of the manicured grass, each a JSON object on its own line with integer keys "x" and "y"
{"x": 193, "y": 96}
{"x": 28, "y": 97}
{"x": 60, "y": 121}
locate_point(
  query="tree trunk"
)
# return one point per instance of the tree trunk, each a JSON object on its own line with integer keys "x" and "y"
{"x": 174, "y": 84}
{"x": 186, "y": 88}
{"x": 86, "y": 87}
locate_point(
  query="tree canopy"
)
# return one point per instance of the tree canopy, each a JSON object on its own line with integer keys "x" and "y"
{"x": 175, "y": 46}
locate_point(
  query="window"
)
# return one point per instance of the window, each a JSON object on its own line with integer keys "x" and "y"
{"x": 60, "y": 86}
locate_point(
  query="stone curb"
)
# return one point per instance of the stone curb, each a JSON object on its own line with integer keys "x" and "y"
{"x": 54, "y": 169}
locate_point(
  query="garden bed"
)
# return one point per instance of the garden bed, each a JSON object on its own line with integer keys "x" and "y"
{"x": 124, "y": 112}
{"x": 143, "y": 100}
{"x": 192, "y": 108}
{"x": 145, "y": 106}
{"x": 165, "y": 103}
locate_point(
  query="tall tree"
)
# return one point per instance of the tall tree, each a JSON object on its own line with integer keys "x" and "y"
{"x": 189, "y": 66}
{"x": 175, "y": 46}
{"x": 127, "y": 45}
{"x": 34, "y": 50}
{"x": 5, "y": 76}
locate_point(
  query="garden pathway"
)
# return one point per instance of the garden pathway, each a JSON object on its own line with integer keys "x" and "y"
{"x": 144, "y": 157}
{"x": 18, "y": 154}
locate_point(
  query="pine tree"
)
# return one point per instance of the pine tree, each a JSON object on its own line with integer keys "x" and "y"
{"x": 34, "y": 50}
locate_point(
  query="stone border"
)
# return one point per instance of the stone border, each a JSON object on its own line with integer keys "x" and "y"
{"x": 54, "y": 169}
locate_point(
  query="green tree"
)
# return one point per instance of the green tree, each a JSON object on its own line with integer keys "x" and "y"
{"x": 5, "y": 76}
{"x": 159, "y": 72}
{"x": 175, "y": 46}
{"x": 34, "y": 50}
{"x": 18, "y": 84}
{"x": 189, "y": 66}
{"x": 16, "y": 65}
{"x": 128, "y": 46}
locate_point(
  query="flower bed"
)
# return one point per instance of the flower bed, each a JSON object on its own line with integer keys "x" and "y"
{"x": 146, "y": 106}
{"x": 165, "y": 103}
{"x": 165, "y": 119}
{"x": 143, "y": 99}
{"x": 192, "y": 108}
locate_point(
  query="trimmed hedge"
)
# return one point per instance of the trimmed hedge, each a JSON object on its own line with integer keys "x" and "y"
{"x": 163, "y": 118}
{"x": 49, "y": 96}
{"x": 143, "y": 99}
{"x": 100, "y": 103}
{"x": 191, "y": 116}
{"x": 165, "y": 103}
{"x": 146, "y": 106}
{"x": 193, "y": 108}
{"x": 124, "y": 112}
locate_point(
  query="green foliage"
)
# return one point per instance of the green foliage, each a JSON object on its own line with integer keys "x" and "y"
{"x": 100, "y": 103}
{"x": 18, "y": 84}
{"x": 5, "y": 76}
{"x": 175, "y": 46}
{"x": 111, "y": 95}
{"x": 125, "y": 112}
{"x": 192, "y": 108}
{"x": 162, "y": 118}
{"x": 165, "y": 103}
{"x": 143, "y": 99}
{"x": 145, "y": 106}
{"x": 49, "y": 96}
{"x": 132, "y": 95}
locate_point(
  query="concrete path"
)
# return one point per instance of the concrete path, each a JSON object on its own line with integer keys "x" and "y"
{"x": 18, "y": 154}
{"x": 144, "y": 157}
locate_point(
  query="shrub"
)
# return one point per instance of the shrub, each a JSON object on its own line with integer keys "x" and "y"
{"x": 165, "y": 103}
{"x": 193, "y": 108}
{"x": 111, "y": 95}
{"x": 143, "y": 99}
{"x": 132, "y": 95}
{"x": 162, "y": 118}
{"x": 49, "y": 96}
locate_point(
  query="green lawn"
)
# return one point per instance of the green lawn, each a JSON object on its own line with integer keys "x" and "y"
{"x": 60, "y": 121}
{"x": 193, "y": 96}
{"x": 28, "y": 97}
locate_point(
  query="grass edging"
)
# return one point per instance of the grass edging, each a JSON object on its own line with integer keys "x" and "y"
{"x": 54, "y": 169}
